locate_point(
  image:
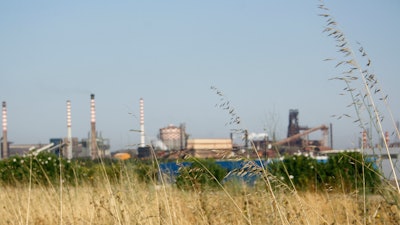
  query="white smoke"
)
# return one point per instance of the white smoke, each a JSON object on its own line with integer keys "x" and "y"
{"x": 257, "y": 136}
{"x": 158, "y": 144}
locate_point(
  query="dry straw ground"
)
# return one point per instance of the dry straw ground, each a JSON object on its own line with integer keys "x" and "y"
{"x": 135, "y": 203}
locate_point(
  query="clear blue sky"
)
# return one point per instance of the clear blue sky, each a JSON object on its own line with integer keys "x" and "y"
{"x": 266, "y": 56}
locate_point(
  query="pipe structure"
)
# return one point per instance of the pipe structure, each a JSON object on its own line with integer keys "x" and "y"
{"x": 93, "y": 145}
{"x": 5, "y": 141}
{"x": 294, "y": 137}
{"x": 69, "y": 131}
{"x": 142, "y": 139}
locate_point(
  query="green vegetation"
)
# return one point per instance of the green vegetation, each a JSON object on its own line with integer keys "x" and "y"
{"x": 344, "y": 172}
{"x": 146, "y": 171}
{"x": 41, "y": 169}
{"x": 200, "y": 174}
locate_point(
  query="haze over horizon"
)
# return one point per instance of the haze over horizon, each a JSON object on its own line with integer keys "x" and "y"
{"x": 267, "y": 57}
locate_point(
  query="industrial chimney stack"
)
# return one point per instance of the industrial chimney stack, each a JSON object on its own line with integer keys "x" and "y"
{"x": 142, "y": 140}
{"x": 364, "y": 139}
{"x": 387, "y": 138}
{"x": 5, "y": 141}
{"x": 93, "y": 143}
{"x": 69, "y": 131}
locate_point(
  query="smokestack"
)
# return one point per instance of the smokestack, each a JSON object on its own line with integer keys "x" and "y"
{"x": 331, "y": 134}
{"x": 387, "y": 139}
{"x": 93, "y": 144}
{"x": 69, "y": 131}
{"x": 182, "y": 131}
{"x": 364, "y": 139}
{"x": 5, "y": 141}
{"x": 142, "y": 140}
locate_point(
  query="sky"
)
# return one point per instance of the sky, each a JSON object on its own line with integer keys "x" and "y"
{"x": 266, "y": 57}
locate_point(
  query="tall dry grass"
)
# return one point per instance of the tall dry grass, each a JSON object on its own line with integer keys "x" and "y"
{"x": 368, "y": 99}
{"x": 137, "y": 203}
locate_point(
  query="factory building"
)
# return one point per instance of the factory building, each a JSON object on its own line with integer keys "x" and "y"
{"x": 21, "y": 149}
{"x": 259, "y": 141}
{"x": 80, "y": 149}
{"x": 75, "y": 146}
{"x": 101, "y": 146}
{"x": 94, "y": 146}
{"x": 174, "y": 137}
{"x": 210, "y": 148}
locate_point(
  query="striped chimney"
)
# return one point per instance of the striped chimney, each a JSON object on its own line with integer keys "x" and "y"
{"x": 142, "y": 140}
{"x": 93, "y": 145}
{"x": 364, "y": 139}
{"x": 387, "y": 139}
{"x": 69, "y": 131}
{"x": 5, "y": 141}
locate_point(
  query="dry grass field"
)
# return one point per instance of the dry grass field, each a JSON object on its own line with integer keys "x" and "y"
{"x": 137, "y": 203}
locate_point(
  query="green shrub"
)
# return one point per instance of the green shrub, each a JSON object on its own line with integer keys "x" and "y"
{"x": 348, "y": 171}
{"x": 200, "y": 174}
{"x": 344, "y": 172}
{"x": 297, "y": 170}
{"x": 146, "y": 171}
{"x": 43, "y": 168}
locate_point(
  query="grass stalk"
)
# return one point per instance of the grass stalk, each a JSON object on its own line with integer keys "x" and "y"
{"x": 29, "y": 191}
{"x": 366, "y": 95}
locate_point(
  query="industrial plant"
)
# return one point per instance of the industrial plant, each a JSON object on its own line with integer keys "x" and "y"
{"x": 179, "y": 145}
{"x": 174, "y": 142}
{"x": 94, "y": 146}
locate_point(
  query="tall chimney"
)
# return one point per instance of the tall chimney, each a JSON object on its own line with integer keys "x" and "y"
{"x": 387, "y": 139}
{"x": 364, "y": 139}
{"x": 5, "y": 141}
{"x": 331, "y": 134}
{"x": 142, "y": 140}
{"x": 69, "y": 131}
{"x": 93, "y": 144}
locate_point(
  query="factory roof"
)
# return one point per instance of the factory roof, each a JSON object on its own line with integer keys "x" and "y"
{"x": 209, "y": 144}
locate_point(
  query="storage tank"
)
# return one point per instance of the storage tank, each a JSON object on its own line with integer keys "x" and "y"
{"x": 173, "y": 137}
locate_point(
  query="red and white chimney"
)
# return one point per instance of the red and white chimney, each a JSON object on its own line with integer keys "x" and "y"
{"x": 142, "y": 138}
{"x": 364, "y": 139}
{"x": 69, "y": 131}
{"x": 5, "y": 141}
{"x": 93, "y": 142}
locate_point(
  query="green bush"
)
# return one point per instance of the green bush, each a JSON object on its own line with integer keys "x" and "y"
{"x": 146, "y": 171}
{"x": 200, "y": 174}
{"x": 344, "y": 172}
{"x": 348, "y": 171}
{"x": 297, "y": 170}
{"x": 43, "y": 168}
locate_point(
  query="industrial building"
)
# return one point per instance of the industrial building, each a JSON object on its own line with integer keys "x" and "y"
{"x": 94, "y": 146}
{"x": 255, "y": 144}
{"x": 174, "y": 137}
{"x": 80, "y": 149}
{"x": 210, "y": 148}
{"x": 297, "y": 137}
{"x": 22, "y": 149}
{"x": 101, "y": 146}
{"x": 176, "y": 140}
